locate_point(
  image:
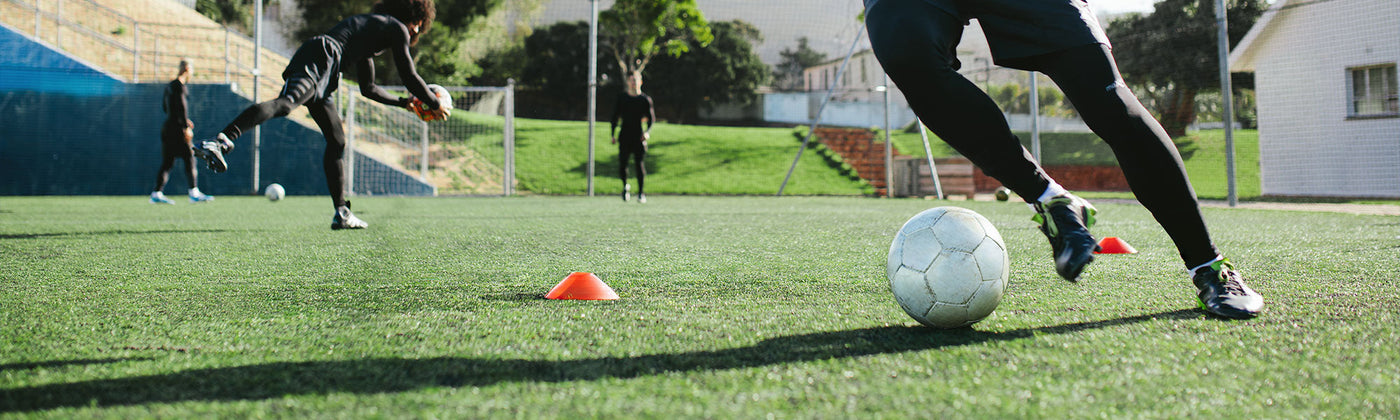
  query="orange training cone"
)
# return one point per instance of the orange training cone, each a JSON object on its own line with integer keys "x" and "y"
{"x": 1113, "y": 245}
{"x": 581, "y": 286}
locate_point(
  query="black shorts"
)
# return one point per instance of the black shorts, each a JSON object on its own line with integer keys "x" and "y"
{"x": 174, "y": 143}
{"x": 1022, "y": 28}
{"x": 314, "y": 69}
{"x": 637, "y": 149}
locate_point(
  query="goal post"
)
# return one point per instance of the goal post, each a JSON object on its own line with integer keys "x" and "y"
{"x": 470, "y": 154}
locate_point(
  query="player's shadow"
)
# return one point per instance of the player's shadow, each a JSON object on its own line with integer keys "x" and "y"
{"x": 65, "y": 363}
{"x": 384, "y": 375}
{"x": 105, "y": 232}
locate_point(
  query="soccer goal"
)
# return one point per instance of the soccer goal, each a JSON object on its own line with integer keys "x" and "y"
{"x": 396, "y": 153}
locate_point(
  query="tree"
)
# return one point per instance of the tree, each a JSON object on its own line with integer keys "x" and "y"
{"x": 235, "y": 13}
{"x": 635, "y": 31}
{"x": 788, "y": 74}
{"x": 1172, "y": 54}
{"x": 436, "y": 54}
{"x": 558, "y": 61}
{"x": 725, "y": 71}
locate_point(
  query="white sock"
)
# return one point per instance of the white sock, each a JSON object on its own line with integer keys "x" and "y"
{"x": 157, "y": 194}
{"x": 1196, "y": 269}
{"x": 194, "y": 192}
{"x": 1051, "y": 191}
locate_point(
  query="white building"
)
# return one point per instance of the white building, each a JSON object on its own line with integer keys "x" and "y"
{"x": 1329, "y": 115}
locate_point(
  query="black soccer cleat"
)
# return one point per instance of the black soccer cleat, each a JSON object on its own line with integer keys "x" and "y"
{"x": 1065, "y": 221}
{"x": 212, "y": 151}
{"x": 1222, "y": 292}
{"x": 344, "y": 219}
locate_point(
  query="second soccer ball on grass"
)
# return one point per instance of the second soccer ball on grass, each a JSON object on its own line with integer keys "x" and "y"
{"x": 275, "y": 192}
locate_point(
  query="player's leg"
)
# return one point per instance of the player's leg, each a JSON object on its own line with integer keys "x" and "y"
{"x": 162, "y": 176}
{"x": 639, "y": 159}
{"x": 328, "y": 119}
{"x": 623, "y": 154}
{"x": 192, "y": 175}
{"x": 179, "y": 148}
{"x": 1153, "y": 167}
{"x": 915, "y": 42}
{"x": 1149, "y": 159}
{"x": 297, "y": 91}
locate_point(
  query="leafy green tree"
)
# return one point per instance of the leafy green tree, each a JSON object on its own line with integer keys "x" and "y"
{"x": 725, "y": 71}
{"x": 233, "y": 13}
{"x": 1171, "y": 55}
{"x": 788, "y": 73}
{"x": 558, "y": 60}
{"x": 635, "y": 31}
{"x": 1014, "y": 98}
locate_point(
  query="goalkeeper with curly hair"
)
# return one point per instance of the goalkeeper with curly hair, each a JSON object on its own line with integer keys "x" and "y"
{"x": 312, "y": 76}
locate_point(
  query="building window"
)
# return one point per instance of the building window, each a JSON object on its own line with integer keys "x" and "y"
{"x": 1373, "y": 91}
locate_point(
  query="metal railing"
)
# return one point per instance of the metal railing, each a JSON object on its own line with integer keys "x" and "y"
{"x": 138, "y": 51}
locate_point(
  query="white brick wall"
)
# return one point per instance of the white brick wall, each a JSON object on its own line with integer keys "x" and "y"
{"x": 1307, "y": 144}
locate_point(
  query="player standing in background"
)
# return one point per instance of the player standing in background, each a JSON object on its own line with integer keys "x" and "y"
{"x": 632, "y": 107}
{"x": 916, "y": 41}
{"x": 175, "y": 137}
{"x": 312, "y": 76}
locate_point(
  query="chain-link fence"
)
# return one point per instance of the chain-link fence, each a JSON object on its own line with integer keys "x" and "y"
{"x": 471, "y": 153}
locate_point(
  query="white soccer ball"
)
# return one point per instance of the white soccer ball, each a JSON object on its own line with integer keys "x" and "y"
{"x": 948, "y": 267}
{"x": 275, "y": 192}
{"x": 444, "y": 97}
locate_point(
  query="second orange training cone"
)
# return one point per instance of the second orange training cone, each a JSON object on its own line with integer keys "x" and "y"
{"x": 581, "y": 286}
{"x": 1113, "y": 245}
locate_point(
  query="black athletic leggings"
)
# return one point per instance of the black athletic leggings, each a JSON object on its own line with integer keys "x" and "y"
{"x": 173, "y": 146}
{"x": 296, "y": 93}
{"x": 638, "y": 154}
{"x": 915, "y": 51}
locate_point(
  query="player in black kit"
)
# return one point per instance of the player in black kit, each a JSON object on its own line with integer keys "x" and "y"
{"x": 175, "y": 138}
{"x": 915, "y": 41}
{"x": 632, "y": 107}
{"x": 312, "y": 75}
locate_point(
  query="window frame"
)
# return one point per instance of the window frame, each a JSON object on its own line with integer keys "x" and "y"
{"x": 1389, "y": 102}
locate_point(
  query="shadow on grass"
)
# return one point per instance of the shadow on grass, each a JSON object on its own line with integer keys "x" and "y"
{"x": 66, "y": 363}
{"x": 107, "y": 232}
{"x": 374, "y": 376}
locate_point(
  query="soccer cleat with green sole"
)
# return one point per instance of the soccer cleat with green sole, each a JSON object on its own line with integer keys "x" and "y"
{"x": 1221, "y": 291}
{"x": 1065, "y": 220}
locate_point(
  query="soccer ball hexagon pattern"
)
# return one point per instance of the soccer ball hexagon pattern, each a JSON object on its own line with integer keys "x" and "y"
{"x": 948, "y": 267}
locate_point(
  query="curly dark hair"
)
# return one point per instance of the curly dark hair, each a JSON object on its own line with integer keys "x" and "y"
{"x": 409, "y": 12}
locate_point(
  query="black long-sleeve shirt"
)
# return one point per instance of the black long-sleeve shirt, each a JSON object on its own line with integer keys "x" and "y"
{"x": 630, "y": 110}
{"x": 176, "y": 105}
{"x": 363, "y": 37}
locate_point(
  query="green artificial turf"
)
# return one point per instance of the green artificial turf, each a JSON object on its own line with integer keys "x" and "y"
{"x": 731, "y": 307}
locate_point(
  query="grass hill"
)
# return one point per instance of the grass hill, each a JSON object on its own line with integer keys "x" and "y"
{"x": 552, "y": 156}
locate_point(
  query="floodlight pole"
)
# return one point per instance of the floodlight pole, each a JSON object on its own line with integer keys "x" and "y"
{"x": 257, "y": 74}
{"x": 816, "y": 121}
{"x": 592, "y": 85}
{"x": 889, "y": 147}
{"x": 1035, "y": 117}
{"x": 928, "y": 153}
{"x": 1227, "y": 96}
